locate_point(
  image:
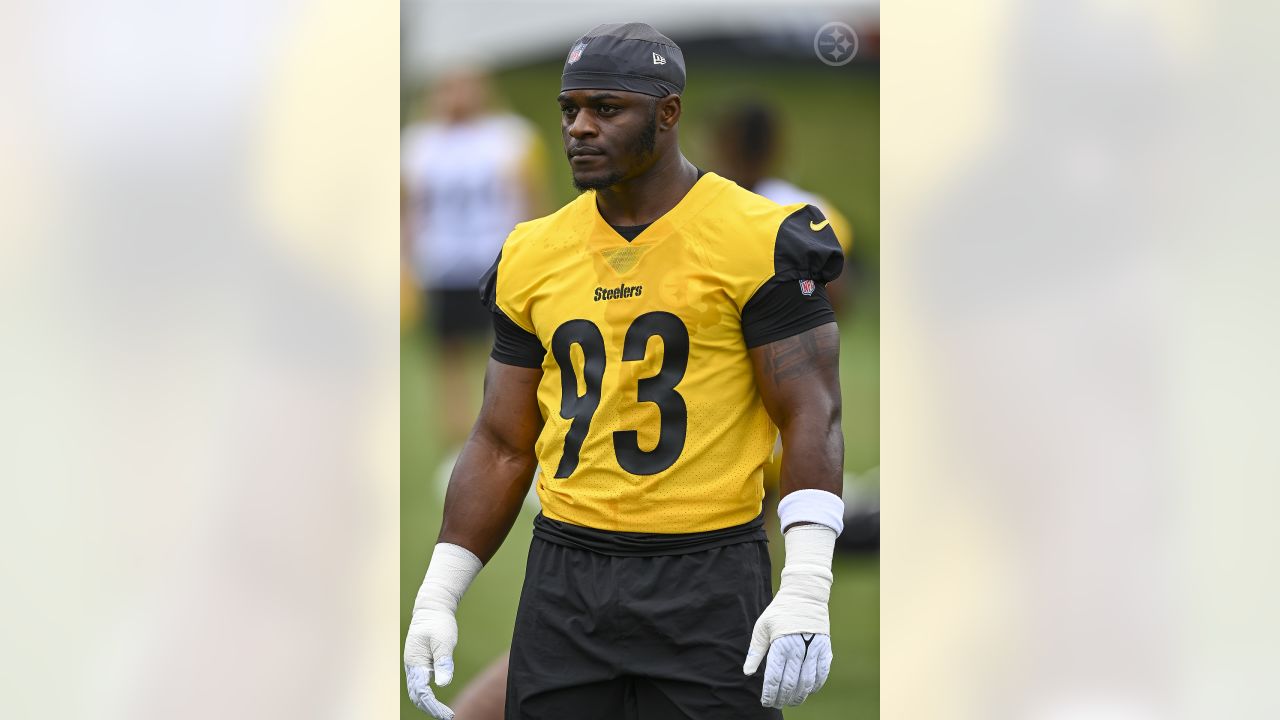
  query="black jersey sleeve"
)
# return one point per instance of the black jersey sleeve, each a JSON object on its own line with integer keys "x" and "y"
{"x": 780, "y": 309}
{"x": 806, "y": 256}
{"x": 512, "y": 344}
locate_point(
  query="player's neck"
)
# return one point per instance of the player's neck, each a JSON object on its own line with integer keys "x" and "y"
{"x": 643, "y": 199}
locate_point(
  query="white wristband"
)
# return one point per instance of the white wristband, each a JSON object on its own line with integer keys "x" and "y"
{"x": 812, "y": 506}
{"x": 450, "y": 573}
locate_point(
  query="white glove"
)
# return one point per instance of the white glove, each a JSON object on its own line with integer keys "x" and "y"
{"x": 433, "y": 631}
{"x": 420, "y": 692}
{"x": 795, "y": 630}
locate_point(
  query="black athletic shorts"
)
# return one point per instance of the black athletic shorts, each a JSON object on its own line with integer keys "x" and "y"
{"x": 638, "y": 636}
{"x": 457, "y": 314}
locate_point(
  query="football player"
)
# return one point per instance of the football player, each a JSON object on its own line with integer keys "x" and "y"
{"x": 748, "y": 147}
{"x": 468, "y": 173}
{"x": 652, "y": 339}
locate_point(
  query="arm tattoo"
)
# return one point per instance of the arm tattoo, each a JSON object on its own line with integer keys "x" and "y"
{"x": 803, "y": 354}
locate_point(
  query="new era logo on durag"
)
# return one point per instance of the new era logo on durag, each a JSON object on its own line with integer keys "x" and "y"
{"x": 659, "y": 60}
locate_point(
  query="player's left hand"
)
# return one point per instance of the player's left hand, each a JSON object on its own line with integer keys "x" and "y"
{"x": 795, "y": 630}
{"x": 797, "y": 667}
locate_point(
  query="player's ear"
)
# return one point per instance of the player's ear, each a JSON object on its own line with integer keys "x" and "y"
{"x": 668, "y": 112}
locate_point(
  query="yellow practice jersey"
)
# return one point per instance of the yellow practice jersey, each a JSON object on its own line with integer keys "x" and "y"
{"x": 653, "y": 422}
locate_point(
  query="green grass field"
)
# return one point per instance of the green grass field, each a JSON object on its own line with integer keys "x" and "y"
{"x": 833, "y": 119}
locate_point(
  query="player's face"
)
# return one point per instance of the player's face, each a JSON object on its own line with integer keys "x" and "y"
{"x": 609, "y": 135}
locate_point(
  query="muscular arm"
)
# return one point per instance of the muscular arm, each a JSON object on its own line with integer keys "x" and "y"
{"x": 495, "y": 467}
{"x": 799, "y": 381}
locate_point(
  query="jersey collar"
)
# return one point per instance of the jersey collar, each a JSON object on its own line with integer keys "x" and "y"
{"x": 702, "y": 192}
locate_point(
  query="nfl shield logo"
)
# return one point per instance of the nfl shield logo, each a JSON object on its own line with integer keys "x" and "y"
{"x": 806, "y": 288}
{"x": 576, "y": 52}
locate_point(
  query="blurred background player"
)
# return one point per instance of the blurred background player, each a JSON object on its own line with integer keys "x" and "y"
{"x": 748, "y": 150}
{"x": 469, "y": 173}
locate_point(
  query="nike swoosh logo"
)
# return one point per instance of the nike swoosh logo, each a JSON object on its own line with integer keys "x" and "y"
{"x": 818, "y": 226}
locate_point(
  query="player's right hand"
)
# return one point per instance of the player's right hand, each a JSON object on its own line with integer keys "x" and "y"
{"x": 428, "y": 651}
{"x": 433, "y": 630}
{"x": 419, "y": 679}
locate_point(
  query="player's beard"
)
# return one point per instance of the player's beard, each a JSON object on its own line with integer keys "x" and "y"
{"x": 641, "y": 148}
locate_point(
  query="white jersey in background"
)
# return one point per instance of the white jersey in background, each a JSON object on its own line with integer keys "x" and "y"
{"x": 466, "y": 191}
{"x": 784, "y": 193}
